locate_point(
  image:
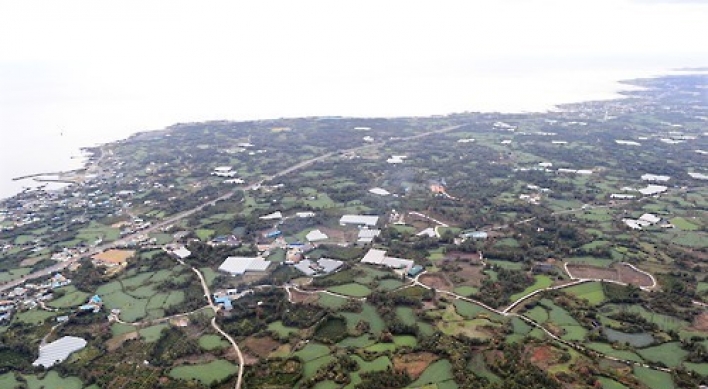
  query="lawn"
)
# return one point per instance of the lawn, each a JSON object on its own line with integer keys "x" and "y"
{"x": 333, "y": 302}
{"x": 406, "y": 315}
{"x": 353, "y": 290}
{"x": 283, "y": 331}
{"x": 212, "y": 342}
{"x": 72, "y": 298}
{"x": 541, "y": 282}
{"x": 204, "y": 234}
{"x": 54, "y": 381}
{"x": 684, "y": 224}
{"x": 206, "y": 373}
{"x": 590, "y": 291}
{"x": 654, "y": 379}
{"x": 378, "y": 364}
{"x": 438, "y": 371}
{"x": 671, "y": 354}
{"x": 152, "y": 334}
{"x": 14, "y": 274}
{"x": 468, "y": 310}
{"x": 312, "y": 351}
{"x": 34, "y": 316}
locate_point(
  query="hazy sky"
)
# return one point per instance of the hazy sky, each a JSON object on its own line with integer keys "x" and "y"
{"x": 133, "y": 65}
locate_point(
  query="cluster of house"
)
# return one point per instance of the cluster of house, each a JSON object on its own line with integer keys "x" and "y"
{"x": 30, "y": 296}
{"x": 379, "y": 258}
{"x": 94, "y": 304}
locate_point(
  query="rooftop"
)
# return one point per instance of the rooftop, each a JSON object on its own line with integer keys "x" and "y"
{"x": 58, "y": 351}
{"x": 240, "y": 265}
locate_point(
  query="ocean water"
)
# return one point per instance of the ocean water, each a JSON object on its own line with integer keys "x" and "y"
{"x": 44, "y": 125}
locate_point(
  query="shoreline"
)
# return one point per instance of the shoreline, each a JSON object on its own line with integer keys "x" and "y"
{"x": 618, "y": 89}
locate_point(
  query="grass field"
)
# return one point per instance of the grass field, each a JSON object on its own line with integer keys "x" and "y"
{"x": 34, "y": 316}
{"x": 353, "y": 290}
{"x": 378, "y": 364}
{"x": 590, "y": 291}
{"x": 72, "y": 298}
{"x": 333, "y": 302}
{"x": 654, "y": 379}
{"x": 671, "y": 354}
{"x": 14, "y": 274}
{"x": 204, "y": 234}
{"x": 368, "y": 314}
{"x": 282, "y": 330}
{"x": 684, "y": 224}
{"x": 406, "y": 315}
{"x": 468, "y": 310}
{"x": 389, "y": 284}
{"x": 438, "y": 371}
{"x": 541, "y": 282}
{"x": 608, "y": 383}
{"x": 466, "y": 291}
{"x": 212, "y": 342}
{"x": 152, "y": 334}
{"x": 52, "y": 380}
{"x": 205, "y": 373}
{"x": 608, "y": 350}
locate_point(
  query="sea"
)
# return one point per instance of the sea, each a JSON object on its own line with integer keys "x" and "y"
{"x": 44, "y": 131}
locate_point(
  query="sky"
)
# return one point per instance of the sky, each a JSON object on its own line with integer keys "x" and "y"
{"x": 98, "y": 71}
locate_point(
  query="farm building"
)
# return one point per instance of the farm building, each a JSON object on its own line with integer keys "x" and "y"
{"x": 378, "y": 257}
{"x": 654, "y": 177}
{"x": 58, "y": 351}
{"x": 320, "y": 267}
{"x": 415, "y": 270}
{"x": 315, "y": 236}
{"x": 474, "y": 235}
{"x": 652, "y": 190}
{"x": 181, "y": 253}
{"x": 240, "y": 265}
{"x": 359, "y": 220}
{"x": 367, "y": 236}
{"x": 379, "y": 191}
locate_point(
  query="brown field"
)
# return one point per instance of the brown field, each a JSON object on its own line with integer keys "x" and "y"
{"x": 700, "y": 322}
{"x": 30, "y": 261}
{"x": 303, "y": 298}
{"x": 464, "y": 257}
{"x": 261, "y": 346}
{"x": 543, "y": 356}
{"x": 437, "y": 281}
{"x": 617, "y": 272}
{"x": 465, "y": 273}
{"x": 117, "y": 341}
{"x": 414, "y": 364}
{"x": 114, "y": 256}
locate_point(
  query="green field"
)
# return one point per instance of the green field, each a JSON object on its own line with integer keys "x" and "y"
{"x": 670, "y": 354}
{"x": 608, "y": 350}
{"x": 406, "y": 315}
{"x": 206, "y": 373}
{"x": 353, "y": 290}
{"x": 281, "y": 329}
{"x": 13, "y": 274}
{"x": 72, "y": 298}
{"x": 684, "y": 224}
{"x": 212, "y": 342}
{"x": 541, "y": 282}
{"x": 608, "y": 383}
{"x": 368, "y": 314}
{"x": 654, "y": 379}
{"x": 152, "y": 334}
{"x": 590, "y": 291}
{"x": 378, "y": 364}
{"x": 437, "y": 372}
{"x": 469, "y": 310}
{"x": 332, "y": 302}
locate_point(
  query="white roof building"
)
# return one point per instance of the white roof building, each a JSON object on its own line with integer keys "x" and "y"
{"x": 627, "y": 142}
{"x": 379, "y": 191}
{"x": 650, "y": 218}
{"x": 378, "y": 257}
{"x": 182, "y": 253}
{"x": 429, "y": 232}
{"x": 367, "y": 236}
{"x": 620, "y": 196}
{"x": 322, "y": 266}
{"x": 315, "y": 236}
{"x": 273, "y": 216}
{"x": 395, "y": 159}
{"x": 698, "y": 176}
{"x": 654, "y": 177}
{"x": 305, "y": 214}
{"x": 240, "y": 265}
{"x": 360, "y": 220}
{"x": 58, "y": 350}
{"x": 651, "y": 190}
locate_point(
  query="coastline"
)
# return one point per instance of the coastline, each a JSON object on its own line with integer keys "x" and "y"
{"x": 610, "y": 87}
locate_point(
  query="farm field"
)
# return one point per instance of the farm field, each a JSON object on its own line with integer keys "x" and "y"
{"x": 205, "y": 373}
